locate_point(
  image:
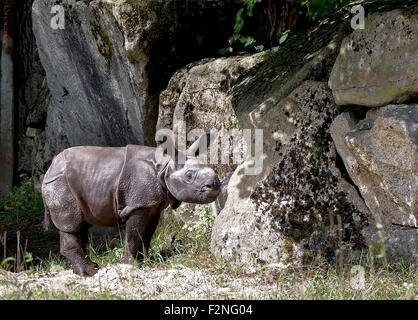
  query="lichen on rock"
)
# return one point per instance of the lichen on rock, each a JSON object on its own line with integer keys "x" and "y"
{"x": 303, "y": 191}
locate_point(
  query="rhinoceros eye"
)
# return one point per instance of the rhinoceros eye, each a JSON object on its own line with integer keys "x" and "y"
{"x": 189, "y": 175}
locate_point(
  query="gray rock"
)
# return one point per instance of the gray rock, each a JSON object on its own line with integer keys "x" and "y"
{"x": 97, "y": 95}
{"x": 42, "y": 155}
{"x": 397, "y": 243}
{"x": 249, "y": 228}
{"x": 258, "y": 97}
{"x": 32, "y": 132}
{"x": 379, "y": 65}
{"x": 284, "y": 214}
{"x": 380, "y": 153}
{"x": 7, "y": 98}
{"x": 25, "y": 156}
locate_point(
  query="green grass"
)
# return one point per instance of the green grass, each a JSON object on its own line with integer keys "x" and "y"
{"x": 22, "y": 210}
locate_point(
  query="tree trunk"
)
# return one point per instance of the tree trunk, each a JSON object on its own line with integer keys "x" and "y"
{"x": 7, "y": 97}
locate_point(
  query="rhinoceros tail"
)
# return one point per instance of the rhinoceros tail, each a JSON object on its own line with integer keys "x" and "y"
{"x": 47, "y": 225}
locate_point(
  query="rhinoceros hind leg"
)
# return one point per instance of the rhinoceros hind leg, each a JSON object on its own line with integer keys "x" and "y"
{"x": 84, "y": 235}
{"x": 72, "y": 248}
{"x": 64, "y": 209}
{"x": 136, "y": 227}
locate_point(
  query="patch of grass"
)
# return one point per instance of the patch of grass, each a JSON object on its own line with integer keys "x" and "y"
{"x": 21, "y": 207}
{"x": 327, "y": 284}
{"x": 22, "y": 210}
{"x": 175, "y": 242}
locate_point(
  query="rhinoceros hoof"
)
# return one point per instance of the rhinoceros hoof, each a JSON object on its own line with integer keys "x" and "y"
{"x": 85, "y": 268}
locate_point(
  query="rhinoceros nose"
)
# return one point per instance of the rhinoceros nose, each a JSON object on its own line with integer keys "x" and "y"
{"x": 214, "y": 184}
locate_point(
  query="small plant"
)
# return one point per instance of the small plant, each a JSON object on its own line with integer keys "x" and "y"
{"x": 316, "y": 9}
{"x": 20, "y": 202}
{"x": 202, "y": 227}
{"x": 247, "y": 41}
{"x": 378, "y": 249}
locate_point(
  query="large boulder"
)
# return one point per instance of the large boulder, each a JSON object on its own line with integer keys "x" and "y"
{"x": 380, "y": 153}
{"x": 97, "y": 94}
{"x": 379, "y": 65}
{"x": 290, "y": 212}
{"x": 197, "y": 98}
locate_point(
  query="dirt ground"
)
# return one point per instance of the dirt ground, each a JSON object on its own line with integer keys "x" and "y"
{"x": 130, "y": 282}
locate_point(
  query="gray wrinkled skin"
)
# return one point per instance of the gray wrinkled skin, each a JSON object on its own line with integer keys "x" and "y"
{"x": 110, "y": 186}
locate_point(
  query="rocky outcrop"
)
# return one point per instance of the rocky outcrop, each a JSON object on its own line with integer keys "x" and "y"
{"x": 286, "y": 215}
{"x": 379, "y": 65}
{"x": 274, "y": 97}
{"x": 380, "y": 153}
{"x": 97, "y": 95}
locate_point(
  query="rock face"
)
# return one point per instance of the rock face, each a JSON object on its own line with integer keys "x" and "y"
{"x": 380, "y": 153}
{"x": 90, "y": 78}
{"x": 286, "y": 216}
{"x": 253, "y": 226}
{"x": 371, "y": 69}
{"x": 272, "y": 95}
{"x": 381, "y": 157}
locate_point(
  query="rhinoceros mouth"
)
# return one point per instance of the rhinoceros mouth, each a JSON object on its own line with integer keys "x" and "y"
{"x": 211, "y": 194}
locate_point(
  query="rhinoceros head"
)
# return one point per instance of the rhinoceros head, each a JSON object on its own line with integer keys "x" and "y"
{"x": 192, "y": 181}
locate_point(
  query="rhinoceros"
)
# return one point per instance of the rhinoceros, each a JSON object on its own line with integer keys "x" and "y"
{"x": 110, "y": 186}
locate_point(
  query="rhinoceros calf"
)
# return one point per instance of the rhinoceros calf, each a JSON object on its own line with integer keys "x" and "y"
{"x": 110, "y": 186}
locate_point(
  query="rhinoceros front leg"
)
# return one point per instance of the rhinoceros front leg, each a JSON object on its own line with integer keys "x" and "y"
{"x": 72, "y": 248}
{"x": 136, "y": 228}
{"x": 152, "y": 226}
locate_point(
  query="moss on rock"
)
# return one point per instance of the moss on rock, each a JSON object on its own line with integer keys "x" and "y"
{"x": 104, "y": 45}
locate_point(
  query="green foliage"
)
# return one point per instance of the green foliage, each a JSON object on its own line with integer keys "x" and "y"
{"x": 22, "y": 202}
{"x": 237, "y": 37}
{"x": 378, "y": 249}
{"x": 176, "y": 241}
{"x": 313, "y": 9}
{"x": 202, "y": 226}
{"x": 316, "y": 9}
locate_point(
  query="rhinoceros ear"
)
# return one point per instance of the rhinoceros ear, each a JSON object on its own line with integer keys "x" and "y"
{"x": 200, "y": 146}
